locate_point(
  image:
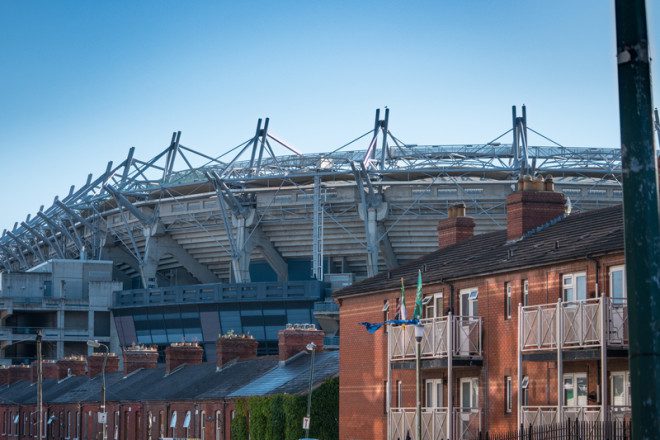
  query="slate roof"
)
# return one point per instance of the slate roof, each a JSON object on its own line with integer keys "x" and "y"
{"x": 263, "y": 375}
{"x": 592, "y": 233}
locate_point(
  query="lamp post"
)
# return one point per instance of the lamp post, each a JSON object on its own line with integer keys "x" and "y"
{"x": 312, "y": 349}
{"x": 419, "y": 334}
{"x": 97, "y": 344}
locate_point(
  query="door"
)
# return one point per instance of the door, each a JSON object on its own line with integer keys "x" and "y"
{"x": 575, "y": 389}
{"x": 620, "y": 388}
{"x": 468, "y": 328}
{"x": 468, "y": 420}
{"x": 434, "y": 396}
{"x": 618, "y": 325}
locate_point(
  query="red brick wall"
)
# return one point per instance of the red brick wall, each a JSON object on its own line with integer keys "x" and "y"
{"x": 454, "y": 230}
{"x": 183, "y": 353}
{"x": 95, "y": 364}
{"x": 293, "y": 341}
{"x": 363, "y": 364}
{"x": 528, "y": 209}
{"x": 230, "y": 348}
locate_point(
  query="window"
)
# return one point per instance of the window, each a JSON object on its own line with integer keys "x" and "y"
{"x": 386, "y": 313}
{"x": 161, "y": 423}
{"x": 434, "y": 397}
{"x": 574, "y": 286}
{"x": 507, "y": 300}
{"x": 116, "y": 434}
{"x": 173, "y": 420}
{"x": 433, "y": 308}
{"x": 508, "y": 395}
{"x": 218, "y": 425}
{"x": 524, "y": 385}
{"x": 202, "y": 426}
{"x": 618, "y": 284}
{"x": 525, "y": 293}
{"x": 186, "y": 421}
{"x": 399, "y": 389}
{"x": 150, "y": 422}
{"x": 385, "y": 394}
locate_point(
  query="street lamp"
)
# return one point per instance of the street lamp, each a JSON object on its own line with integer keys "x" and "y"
{"x": 104, "y": 420}
{"x": 311, "y": 347}
{"x": 419, "y": 334}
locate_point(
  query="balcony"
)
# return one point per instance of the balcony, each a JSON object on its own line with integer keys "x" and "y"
{"x": 465, "y": 340}
{"x": 579, "y": 324}
{"x": 467, "y": 423}
{"x": 547, "y": 415}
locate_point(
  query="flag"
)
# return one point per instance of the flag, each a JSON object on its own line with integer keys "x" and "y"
{"x": 403, "y": 316}
{"x": 417, "y": 314}
{"x": 373, "y": 327}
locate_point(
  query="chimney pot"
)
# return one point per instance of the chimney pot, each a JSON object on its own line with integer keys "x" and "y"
{"x": 536, "y": 204}
{"x": 179, "y": 353}
{"x": 456, "y": 227}
{"x": 294, "y": 339}
{"x": 139, "y": 356}
{"x": 95, "y": 364}
{"x": 231, "y": 346}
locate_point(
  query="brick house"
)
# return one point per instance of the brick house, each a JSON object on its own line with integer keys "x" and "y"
{"x": 182, "y": 398}
{"x": 524, "y": 325}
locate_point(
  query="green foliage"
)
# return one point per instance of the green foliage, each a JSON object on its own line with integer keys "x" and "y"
{"x": 239, "y": 425}
{"x": 295, "y": 408}
{"x": 280, "y": 416}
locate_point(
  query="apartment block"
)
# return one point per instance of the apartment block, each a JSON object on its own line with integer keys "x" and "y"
{"x": 524, "y": 325}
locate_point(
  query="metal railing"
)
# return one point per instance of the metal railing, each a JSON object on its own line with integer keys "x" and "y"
{"x": 579, "y": 322}
{"x": 467, "y": 423}
{"x": 466, "y": 340}
{"x": 402, "y": 424}
{"x": 547, "y": 415}
{"x": 326, "y": 307}
{"x": 620, "y": 413}
{"x": 219, "y": 293}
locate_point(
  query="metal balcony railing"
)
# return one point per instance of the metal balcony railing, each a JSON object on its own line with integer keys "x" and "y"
{"x": 548, "y": 415}
{"x": 466, "y": 340}
{"x": 402, "y": 424}
{"x": 579, "y": 323}
{"x": 467, "y": 423}
{"x": 620, "y": 413}
{"x": 326, "y": 307}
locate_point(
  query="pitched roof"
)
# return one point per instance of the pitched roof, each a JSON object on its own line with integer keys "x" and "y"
{"x": 590, "y": 233}
{"x": 262, "y": 375}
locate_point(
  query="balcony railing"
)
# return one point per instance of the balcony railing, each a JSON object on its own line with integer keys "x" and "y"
{"x": 547, "y": 415}
{"x": 402, "y": 423}
{"x": 620, "y": 413}
{"x": 466, "y": 339}
{"x": 579, "y": 322}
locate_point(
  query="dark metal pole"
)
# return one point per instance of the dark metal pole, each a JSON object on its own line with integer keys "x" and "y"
{"x": 40, "y": 380}
{"x": 312, "y": 348}
{"x": 641, "y": 215}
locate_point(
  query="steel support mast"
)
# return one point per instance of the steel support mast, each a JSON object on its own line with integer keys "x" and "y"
{"x": 641, "y": 215}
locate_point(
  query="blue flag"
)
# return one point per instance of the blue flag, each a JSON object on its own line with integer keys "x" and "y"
{"x": 373, "y": 327}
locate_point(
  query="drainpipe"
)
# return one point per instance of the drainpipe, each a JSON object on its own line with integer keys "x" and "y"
{"x": 641, "y": 214}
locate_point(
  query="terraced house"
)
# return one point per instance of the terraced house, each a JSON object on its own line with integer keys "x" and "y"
{"x": 524, "y": 325}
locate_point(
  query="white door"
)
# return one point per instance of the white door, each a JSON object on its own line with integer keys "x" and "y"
{"x": 575, "y": 389}
{"x": 468, "y": 328}
{"x": 434, "y": 397}
{"x": 620, "y": 388}
{"x": 618, "y": 284}
{"x": 468, "y": 423}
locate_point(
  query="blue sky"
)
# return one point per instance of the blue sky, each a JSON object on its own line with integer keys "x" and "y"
{"x": 81, "y": 82}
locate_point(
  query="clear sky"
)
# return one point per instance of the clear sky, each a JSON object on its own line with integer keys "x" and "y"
{"x": 82, "y": 81}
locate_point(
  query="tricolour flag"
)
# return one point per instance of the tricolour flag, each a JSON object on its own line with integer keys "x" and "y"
{"x": 404, "y": 315}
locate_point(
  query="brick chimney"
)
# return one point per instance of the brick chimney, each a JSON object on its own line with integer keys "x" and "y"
{"x": 456, "y": 227}
{"x": 4, "y": 375}
{"x": 50, "y": 370}
{"x": 535, "y": 203}
{"x": 231, "y": 346}
{"x": 139, "y": 356}
{"x": 18, "y": 373}
{"x": 180, "y": 353}
{"x": 295, "y": 337}
{"x": 75, "y": 365}
{"x": 95, "y": 364}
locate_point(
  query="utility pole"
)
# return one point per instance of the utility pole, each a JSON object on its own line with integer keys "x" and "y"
{"x": 40, "y": 380}
{"x": 641, "y": 215}
{"x": 312, "y": 349}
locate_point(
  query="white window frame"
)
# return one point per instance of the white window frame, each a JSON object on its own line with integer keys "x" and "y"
{"x": 472, "y": 294}
{"x": 625, "y": 376}
{"x": 474, "y": 392}
{"x": 508, "y": 290}
{"x": 525, "y": 287}
{"x": 399, "y": 388}
{"x": 508, "y": 395}
{"x": 622, "y": 269}
{"x": 434, "y": 393}
{"x": 576, "y": 395}
{"x": 569, "y": 281}
{"x": 434, "y": 307}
